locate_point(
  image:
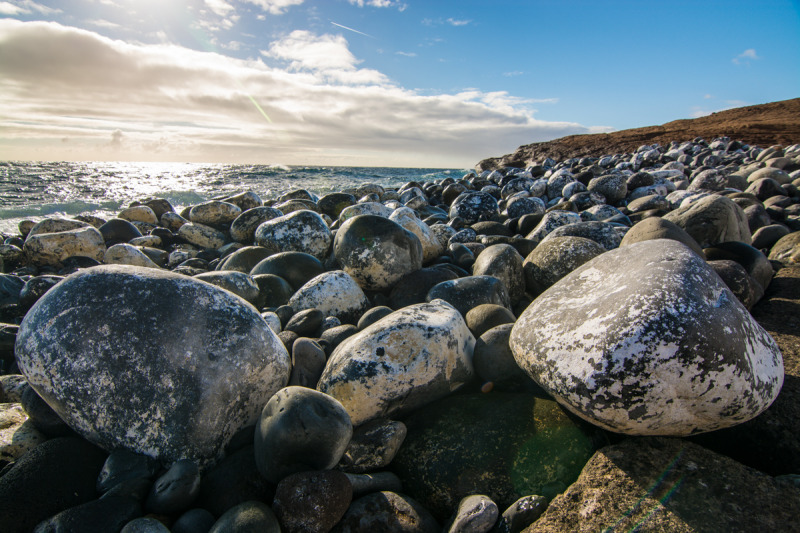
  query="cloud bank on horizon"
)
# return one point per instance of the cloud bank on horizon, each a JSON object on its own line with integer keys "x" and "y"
{"x": 201, "y": 84}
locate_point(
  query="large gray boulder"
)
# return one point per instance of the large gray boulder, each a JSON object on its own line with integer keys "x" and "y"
{"x": 712, "y": 219}
{"x": 648, "y": 340}
{"x": 401, "y": 362}
{"x": 44, "y": 247}
{"x": 299, "y": 231}
{"x": 151, "y": 361}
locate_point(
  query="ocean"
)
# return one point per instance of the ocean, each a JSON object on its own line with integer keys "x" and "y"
{"x": 37, "y": 190}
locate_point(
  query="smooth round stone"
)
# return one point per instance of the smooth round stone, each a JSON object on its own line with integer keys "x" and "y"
{"x": 658, "y": 228}
{"x": 613, "y": 186}
{"x": 709, "y": 180}
{"x": 193, "y": 521}
{"x": 401, "y": 362}
{"x": 300, "y": 231}
{"x": 754, "y": 262}
{"x": 306, "y": 322}
{"x": 376, "y": 251}
{"x": 334, "y": 293}
{"x": 557, "y": 181}
{"x": 387, "y": 511}
{"x": 484, "y": 317}
{"x": 176, "y": 490}
{"x": 332, "y": 204}
{"x": 295, "y": 204}
{"x": 233, "y": 481}
{"x": 300, "y": 429}
{"x": 373, "y": 446}
{"x": 118, "y": 230}
{"x": 274, "y": 291}
{"x": 616, "y": 338}
{"x": 531, "y": 205}
{"x": 738, "y": 281}
{"x": 556, "y": 257}
{"x": 786, "y": 249}
{"x": 240, "y": 284}
{"x": 765, "y": 188}
{"x": 603, "y": 233}
{"x": 214, "y": 213}
{"x": 245, "y": 201}
{"x": 55, "y": 476}
{"x": 97, "y": 516}
{"x": 125, "y": 254}
{"x": 503, "y": 262}
{"x": 521, "y": 514}
{"x": 474, "y": 207}
{"x": 764, "y": 238}
{"x": 172, "y": 221}
{"x": 373, "y": 315}
{"x": 147, "y": 241}
{"x": 139, "y": 213}
{"x": 297, "y": 268}
{"x": 312, "y": 502}
{"x": 712, "y": 219}
{"x": 124, "y": 465}
{"x": 364, "y": 208}
{"x": 502, "y": 445}
{"x": 648, "y": 203}
{"x": 333, "y": 337}
{"x": 475, "y": 514}
{"x": 471, "y": 291}
{"x": 41, "y": 415}
{"x": 243, "y": 227}
{"x": 193, "y": 362}
{"x": 640, "y": 179}
{"x": 159, "y": 206}
{"x": 551, "y": 221}
{"x": 53, "y": 248}
{"x": 18, "y": 436}
{"x": 781, "y": 176}
{"x": 308, "y": 362}
{"x": 247, "y": 517}
{"x": 55, "y": 225}
{"x": 244, "y": 259}
{"x": 10, "y": 289}
{"x": 145, "y": 525}
{"x": 432, "y": 247}
{"x": 201, "y": 235}
{"x": 374, "y": 482}
{"x": 494, "y": 361}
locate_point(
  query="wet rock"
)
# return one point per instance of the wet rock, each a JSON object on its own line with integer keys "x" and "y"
{"x": 53, "y": 248}
{"x": 312, "y": 502}
{"x": 300, "y": 231}
{"x": 521, "y": 514}
{"x": 183, "y": 354}
{"x": 118, "y": 230}
{"x": 300, "y": 429}
{"x": 376, "y": 251}
{"x": 502, "y": 445}
{"x": 247, "y": 517}
{"x": 373, "y": 446}
{"x": 334, "y": 293}
{"x": 659, "y": 484}
{"x": 297, "y": 268}
{"x": 214, "y": 213}
{"x": 503, "y": 262}
{"x": 614, "y": 344}
{"x": 387, "y": 511}
{"x": 471, "y": 291}
{"x": 556, "y": 257}
{"x": 405, "y": 360}
{"x": 124, "y": 465}
{"x": 176, "y": 490}
{"x": 712, "y": 219}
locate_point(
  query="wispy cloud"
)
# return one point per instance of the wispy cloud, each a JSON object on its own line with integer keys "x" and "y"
{"x": 513, "y": 73}
{"x": 103, "y": 23}
{"x": 25, "y": 7}
{"x": 119, "y": 100}
{"x": 455, "y": 22}
{"x": 406, "y": 54}
{"x": 274, "y": 7}
{"x": 352, "y": 30}
{"x": 220, "y": 7}
{"x": 745, "y": 57}
{"x": 401, "y": 6}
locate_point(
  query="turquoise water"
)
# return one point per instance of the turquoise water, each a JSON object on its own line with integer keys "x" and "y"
{"x": 36, "y": 190}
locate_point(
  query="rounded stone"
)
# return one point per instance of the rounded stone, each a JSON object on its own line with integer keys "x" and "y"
{"x": 494, "y": 361}
{"x": 364, "y": 208}
{"x": 603, "y": 233}
{"x": 764, "y": 238}
{"x": 332, "y": 204}
{"x": 202, "y": 235}
{"x": 125, "y": 254}
{"x": 376, "y": 251}
{"x": 214, "y": 213}
{"x": 401, "y": 362}
{"x": 247, "y": 517}
{"x": 53, "y": 248}
{"x": 521, "y": 206}
{"x": 779, "y": 175}
{"x": 312, "y": 502}
{"x": 551, "y": 221}
{"x": 432, "y": 247}
{"x": 373, "y": 446}
{"x": 306, "y": 322}
{"x": 243, "y": 227}
{"x": 297, "y": 268}
{"x": 712, "y": 219}
{"x": 475, "y": 206}
{"x": 139, "y": 213}
{"x": 194, "y": 363}
{"x": 387, "y": 511}
{"x": 613, "y": 186}
{"x": 738, "y": 281}
{"x": 658, "y": 228}
{"x": 616, "y": 338}
{"x": 245, "y": 201}
{"x": 556, "y": 257}
{"x": 144, "y": 525}
{"x": 308, "y": 362}
{"x": 475, "y": 514}
{"x": 18, "y": 435}
{"x": 176, "y": 490}
{"x": 274, "y": 291}
{"x": 234, "y": 480}
{"x": 413, "y": 287}
{"x": 300, "y": 429}
{"x": 300, "y": 231}
{"x": 786, "y": 248}
{"x": 96, "y": 516}
{"x": 334, "y": 293}
{"x": 244, "y": 259}
{"x": 502, "y": 445}
{"x": 503, "y": 262}
{"x": 124, "y": 465}
{"x": 471, "y": 291}
{"x": 118, "y": 230}
{"x": 240, "y": 284}
{"x": 373, "y": 315}
{"x": 484, "y": 317}
{"x": 193, "y": 521}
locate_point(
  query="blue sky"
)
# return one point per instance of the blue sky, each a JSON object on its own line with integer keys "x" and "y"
{"x": 372, "y": 82}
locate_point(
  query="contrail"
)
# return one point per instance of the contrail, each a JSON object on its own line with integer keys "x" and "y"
{"x": 354, "y": 31}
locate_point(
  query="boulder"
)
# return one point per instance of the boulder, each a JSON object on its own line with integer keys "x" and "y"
{"x": 118, "y": 230}
{"x": 387, "y": 511}
{"x": 53, "y": 248}
{"x": 471, "y": 291}
{"x": 648, "y": 340}
{"x": 556, "y": 257}
{"x": 125, "y": 254}
{"x": 503, "y": 262}
{"x": 149, "y": 360}
{"x": 786, "y": 249}
{"x": 300, "y": 231}
{"x": 551, "y": 221}
{"x": 376, "y": 251}
{"x": 335, "y": 294}
{"x": 475, "y": 206}
{"x": 613, "y": 186}
{"x": 214, "y": 213}
{"x": 364, "y": 208}
{"x": 432, "y": 247}
{"x": 297, "y": 268}
{"x": 244, "y": 259}
{"x": 401, "y": 362}
{"x": 243, "y": 227}
{"x": 658, "y": 228}
{"x": 239, "y": 283}
{"x": 201, "y": 235}
{"x": 603, "y": 233}
{"x": 712, "y": 219}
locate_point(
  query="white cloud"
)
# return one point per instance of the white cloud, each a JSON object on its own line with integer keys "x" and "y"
{"x": 406, "y": 54}
{"x": 171, "y": 103}
{"x": 25, "y": 7}
{"x": 455, "y": 22}
{"x": 220, "y": 7}
{"x": 451, "y": 21}
{"x": 275, "y": 7}
{"x": 103, "y": 23}
{"x": 401, "y": 6}
{"x": 745, "y": 57}
{"x": 7, "y": 8}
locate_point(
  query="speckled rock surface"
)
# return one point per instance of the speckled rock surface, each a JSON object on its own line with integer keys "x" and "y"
{"x": 300, "y": 231}
{"x": 201, "y": 235}
{"x": 151, "y": 361}
{"x": 474, "y": 206}
{"x": 647, "y": 340}
{"x": 503, "y": 262}
{"x": 17, "y": 434}
{"x": 556, "y": 257}
{"x": 432, "y": 247}
{"x": 125, "y": 254}
{"x": 711, "y": 220}
{"x": 52, "y": 248}
{"x": 502, "y": 445}
{"x": 660, "y": 485}
{"x": 551, "y": 221}
{"x": 387, "y": 511}
{"x": 334, "y": 293}
{"x": 405, "y": 360}
{"x": 243, "y": 227}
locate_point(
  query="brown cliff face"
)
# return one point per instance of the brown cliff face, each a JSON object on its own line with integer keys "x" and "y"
{"x": 763, "y": 125}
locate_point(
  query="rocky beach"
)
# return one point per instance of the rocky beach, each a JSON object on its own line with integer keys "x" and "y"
{"x": 578, "y": 340}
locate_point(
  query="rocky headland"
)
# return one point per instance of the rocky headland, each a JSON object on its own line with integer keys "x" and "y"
{"x": 600, "y": 342}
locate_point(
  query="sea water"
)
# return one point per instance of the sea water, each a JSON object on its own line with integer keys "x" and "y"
{"x": 37, "y": 190}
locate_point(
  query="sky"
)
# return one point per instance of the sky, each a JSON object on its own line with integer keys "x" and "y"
{"x": 396, "y": 83}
